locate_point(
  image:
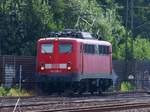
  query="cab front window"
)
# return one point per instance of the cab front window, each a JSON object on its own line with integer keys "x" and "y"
{"x": 47, "y": 48}
{"x": 65, "y": 48}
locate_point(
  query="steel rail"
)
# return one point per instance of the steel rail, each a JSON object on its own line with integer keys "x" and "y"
{"x": 101, "y": 108}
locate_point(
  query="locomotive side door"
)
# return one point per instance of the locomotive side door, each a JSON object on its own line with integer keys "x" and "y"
{"x": 81, "y": 57}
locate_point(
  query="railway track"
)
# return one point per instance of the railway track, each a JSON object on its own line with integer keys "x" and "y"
{"x": 84, "y": 106}
{"x": 102, "y": 108}
{"x": 79, "y": 104}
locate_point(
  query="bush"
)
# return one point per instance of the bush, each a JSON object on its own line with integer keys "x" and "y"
{"x": 3, "y": 91}
{"x": 127, "y": 86}
{"x": 17, "y": 92}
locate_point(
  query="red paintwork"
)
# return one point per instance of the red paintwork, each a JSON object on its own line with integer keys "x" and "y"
{"x": 80, "y": 62}
{"x": 56, "y": 57}
{"x": 96, "y": 64}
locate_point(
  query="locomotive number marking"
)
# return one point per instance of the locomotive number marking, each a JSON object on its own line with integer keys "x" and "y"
{"x": 48, "y": 66}
{"x": 55, "y": 65}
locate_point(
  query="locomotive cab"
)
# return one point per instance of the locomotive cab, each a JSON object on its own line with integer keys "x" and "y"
{"x": 56, "y": 56}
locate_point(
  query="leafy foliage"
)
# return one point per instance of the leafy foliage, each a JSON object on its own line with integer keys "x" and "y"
{"x": 127, "y": 86}
{"x": 17, "y": 92}
{"x": 141, "y": 49}
{"x": 22, "y": 22}
{"x": 141, "y": 16}
{"x": 3, "y": 91}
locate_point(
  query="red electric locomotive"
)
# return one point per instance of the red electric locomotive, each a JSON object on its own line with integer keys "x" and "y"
{"x": 78, "y": 64}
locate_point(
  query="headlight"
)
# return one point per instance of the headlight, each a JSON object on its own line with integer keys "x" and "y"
{"x": 42, "y": 68}
{"x": 69, "y": 68}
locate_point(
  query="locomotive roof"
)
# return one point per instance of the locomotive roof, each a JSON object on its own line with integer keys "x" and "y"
{"x": 87, "y": 41}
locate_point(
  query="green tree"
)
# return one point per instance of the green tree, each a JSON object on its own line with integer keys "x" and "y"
{"x": 141, "y": 16}
{"x": 141, "y": 49}
{"x": 24, "y": 21}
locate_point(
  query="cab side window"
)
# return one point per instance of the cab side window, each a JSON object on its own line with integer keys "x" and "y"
{"x": 103, "y": 49}
{"x": 89, "y": 49}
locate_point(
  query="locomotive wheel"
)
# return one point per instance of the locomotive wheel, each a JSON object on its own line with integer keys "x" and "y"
{"x": 69, "y": 93}
{"x": 92, "y": 92}
{"x": 50, "y": 89}
{"x": 75, "y": 86}
{"x": 42, "y": 88}
{"x": 80, "y": 92}
{"x": 99, "y": 90}
{"x": 82, "y": 87}
{"x": 92, "y": 86}
{"x": 38, "y": 88}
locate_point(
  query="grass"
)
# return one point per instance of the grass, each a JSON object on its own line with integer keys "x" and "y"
{"x": 14, "y": 92}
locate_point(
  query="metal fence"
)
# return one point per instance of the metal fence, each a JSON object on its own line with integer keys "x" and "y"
{"x": 16, "y": 68}
{"x": 137, "y": 72}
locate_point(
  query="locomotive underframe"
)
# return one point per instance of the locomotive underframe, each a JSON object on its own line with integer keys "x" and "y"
{"x": 74, "y": 82}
